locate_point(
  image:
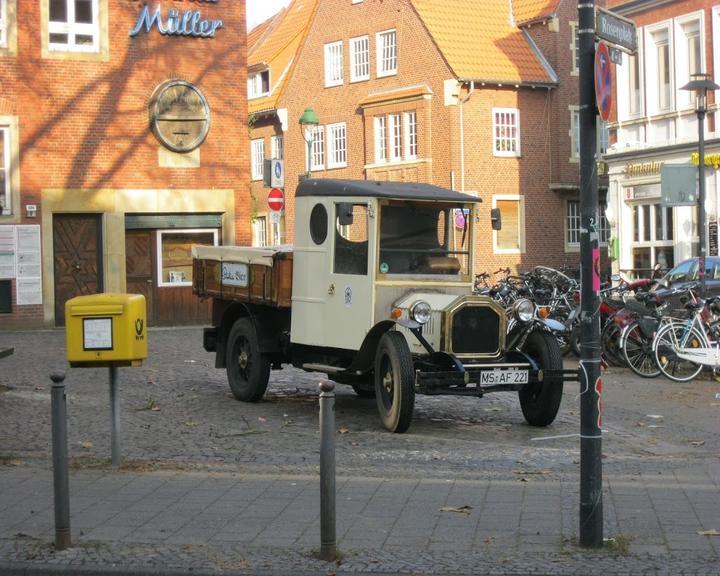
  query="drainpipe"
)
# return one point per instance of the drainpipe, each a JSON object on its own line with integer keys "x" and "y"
{"x": 462, "y": 135}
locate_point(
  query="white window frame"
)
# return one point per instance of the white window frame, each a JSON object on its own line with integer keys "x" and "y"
{"x": 572, "y": 225}
{"x": 410, "y": 140}
{"x": 381, "y": 139}
{"x": 159, "y": 253}
{"x": 387, "y": 53}
{"x": 259, "y": 231}
{"x": 685, "y": 98}
{"x": 255, "y": 83}
{"x": 521, "y": 223}
{"x": 333, "y": 63}
{"x": 4, "y": 23}
{"x": 513, "y": 113}
{"x": 574, "y": 133}
{"x": 317, "y": 156}
{"x": 651, "y": 68}
{"x": 574, "y": 49}
{"x": 624, "y": 82}
{"x": 7, "y": 208}
{"x": 336, "y": 145}
{"x": 395, "y": 136}
{"x": 359, "y": 58}
{"x": 277, "y": 147}
{"x": 257, "y": 156}
{"x": 73, "y": 29}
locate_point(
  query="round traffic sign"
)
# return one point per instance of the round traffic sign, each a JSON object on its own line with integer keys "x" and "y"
{"x": 603, "y": 81}
{"x": 276, "y": 199}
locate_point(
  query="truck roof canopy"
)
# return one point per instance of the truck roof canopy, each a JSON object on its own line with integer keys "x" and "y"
{"x": 375, "y": 189}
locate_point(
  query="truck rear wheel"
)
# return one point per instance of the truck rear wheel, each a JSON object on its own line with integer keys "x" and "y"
{"x": 248, "y": 370}
{"x": 394, "y": 386}
{"x": 540, "y": 401}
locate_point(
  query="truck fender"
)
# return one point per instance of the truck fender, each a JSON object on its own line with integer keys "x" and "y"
{"x": 365, "y": 358}
{"x": 230, "y": 315}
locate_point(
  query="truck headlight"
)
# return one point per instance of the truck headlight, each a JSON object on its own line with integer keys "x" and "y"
{"x": 523, "y": 310}
{"x": 420, "y": 312}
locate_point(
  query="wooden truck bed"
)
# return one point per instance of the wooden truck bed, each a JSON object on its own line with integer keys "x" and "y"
{"x": 244, "y": 274}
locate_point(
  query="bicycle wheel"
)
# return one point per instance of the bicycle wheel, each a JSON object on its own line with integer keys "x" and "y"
{"x": 610, "y": 340}
{"x": 638, "y": 352}
{"x": 667, "y": 341}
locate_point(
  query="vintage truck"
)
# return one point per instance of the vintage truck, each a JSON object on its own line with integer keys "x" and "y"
{"x": 375, "y": 293}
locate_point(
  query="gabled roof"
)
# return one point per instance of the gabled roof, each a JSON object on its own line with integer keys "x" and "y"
{"x": 276, "y": 45}
{"x": 532, "y": 10}
{"x": 479, "y": 41}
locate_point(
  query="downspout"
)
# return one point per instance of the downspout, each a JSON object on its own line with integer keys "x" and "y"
{"x": 462, "y": 135}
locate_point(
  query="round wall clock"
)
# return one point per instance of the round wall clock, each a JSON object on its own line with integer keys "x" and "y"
{"x": 179, "y": 115}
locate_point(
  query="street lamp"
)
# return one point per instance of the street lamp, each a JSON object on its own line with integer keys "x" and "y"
{"x": 700, "y": 83}
{"x": 308, "y": 121}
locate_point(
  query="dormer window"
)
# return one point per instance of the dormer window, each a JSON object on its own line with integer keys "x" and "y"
{"x": 259, "y": 84}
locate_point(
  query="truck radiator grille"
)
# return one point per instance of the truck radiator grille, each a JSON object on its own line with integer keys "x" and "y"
{"x": 476, "y": 330}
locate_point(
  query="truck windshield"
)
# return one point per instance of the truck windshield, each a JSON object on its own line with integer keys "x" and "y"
{"x": 424, "y": 238}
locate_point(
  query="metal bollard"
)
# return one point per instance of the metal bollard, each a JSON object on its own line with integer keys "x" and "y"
{"x": 61, "y": 482}
{"x": 327, "y": 471}
{"x": 115, "y": 451}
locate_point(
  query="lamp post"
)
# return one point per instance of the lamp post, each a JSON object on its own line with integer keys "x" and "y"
{"x": 700, "y": 83}
{"x": 308, "y": 121}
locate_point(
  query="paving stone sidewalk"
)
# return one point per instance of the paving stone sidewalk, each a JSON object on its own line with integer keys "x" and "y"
{"x": 178, "y": 522}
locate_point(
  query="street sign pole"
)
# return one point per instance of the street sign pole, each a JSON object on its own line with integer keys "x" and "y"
{"x": 591, "y": 504}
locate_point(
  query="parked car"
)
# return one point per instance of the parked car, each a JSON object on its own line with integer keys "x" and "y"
{"x": 685, "y": 275}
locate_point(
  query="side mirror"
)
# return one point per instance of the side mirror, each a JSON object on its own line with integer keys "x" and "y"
{"x": 345, "y": 214}
{"x": 495, "y": 219}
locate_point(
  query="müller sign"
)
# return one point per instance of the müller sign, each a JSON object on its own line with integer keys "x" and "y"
{"x": 177, "y": 22}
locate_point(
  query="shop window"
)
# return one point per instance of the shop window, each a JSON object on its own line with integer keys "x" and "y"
{"x": 174, "y": 254}
{"x": 351, "y": 239}
{"x": 653, "y": 237}
{"x": 257, "y": 155}
{"x": 506, "y": 131}
{"x": 73, "y": 25}
{"x": 359, "y": 59}
{"x": 333, "y": 64}
{"x": 387, "y": 53}
{"x": 511, "y": 238}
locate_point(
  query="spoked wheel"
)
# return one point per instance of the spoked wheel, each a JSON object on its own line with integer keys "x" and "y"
{"x": 394, "y": 382}
{"x": 638, "y": 352}
{"x": 540, "y": 401}
{"x": 248, "y": 370}
{"x": 669, "y": 339}
{"x": 610, "y": 339}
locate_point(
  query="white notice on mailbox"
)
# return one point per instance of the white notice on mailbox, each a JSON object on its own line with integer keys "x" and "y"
{"x": 235, "y": 274}
{"x": 97, "y": 334}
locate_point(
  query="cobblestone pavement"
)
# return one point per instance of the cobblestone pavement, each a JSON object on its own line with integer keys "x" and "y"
{"x": 211, "y": 484}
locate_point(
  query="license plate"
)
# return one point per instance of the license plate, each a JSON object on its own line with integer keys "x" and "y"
{"x": 504, "y": 377}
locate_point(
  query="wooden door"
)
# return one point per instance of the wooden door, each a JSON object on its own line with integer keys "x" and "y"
{"x": 77, "y": 257}
{"x": 139, "y": 268}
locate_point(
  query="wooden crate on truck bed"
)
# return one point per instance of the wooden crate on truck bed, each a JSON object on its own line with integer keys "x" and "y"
{"x": 244, "y": 274}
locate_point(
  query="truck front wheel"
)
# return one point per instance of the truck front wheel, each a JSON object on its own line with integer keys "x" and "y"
{"x": 540, "y": 401}
{"x": 394, "y": 386}
{"x": 248, "y": 370}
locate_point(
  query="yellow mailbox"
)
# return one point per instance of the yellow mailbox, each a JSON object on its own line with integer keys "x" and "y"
{"x": 106, "y": 330}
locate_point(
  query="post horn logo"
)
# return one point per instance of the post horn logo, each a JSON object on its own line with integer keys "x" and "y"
{"x": 139, "y": 326}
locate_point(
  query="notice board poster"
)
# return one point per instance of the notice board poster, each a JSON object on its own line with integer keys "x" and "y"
{"x": 7, "y": 251}
{"x": 21, "y": 259}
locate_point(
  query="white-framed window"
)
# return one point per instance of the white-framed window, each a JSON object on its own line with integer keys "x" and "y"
{"x": 3, "y": 24}
{"x": 333, "y": 64}
{"x": 511, "y": 238}
{"x": 277, "y": 147}
{"x": 659, "y": 59}
{"x": 259, "y": 231}
{"x": 359, "y": 58}
{"x": 575, "y": 48}
{"x": 410, "y": 125}
{"x": 380, "y": 123}
{"x": 506, "y": 131}
{"x": 337, "y": 145}
{"x": 630, "y": 93}
{"x": 73, "y": 26}
{"x": 174, "y": 253}
{"x": 259, "y": 84}
{"x": 276, "y": 232}
{"x": 689, "y": 54}
{"x": 257, "y": 155}
{"x": 387, "y": 53}
{"x": 653, "y": 236}
{"x": 317, "y": 158}
{"x": 5, "y": 195}
{"x": 572, "y": 224}
{"x": 396, "y": 134}
{"x": 602, "y": 133}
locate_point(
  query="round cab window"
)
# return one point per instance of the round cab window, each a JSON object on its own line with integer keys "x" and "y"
{"x": 318, "y": 224}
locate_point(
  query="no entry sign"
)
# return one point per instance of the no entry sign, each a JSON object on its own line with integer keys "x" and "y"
{"x": 603, "y": 81}
{"x": 276, "y": 199}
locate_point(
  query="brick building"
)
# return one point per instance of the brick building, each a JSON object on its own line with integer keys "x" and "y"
{"x": 655, "y": 125}
{"x": 123, "y": 140}
{"x": 475, "y": 98}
